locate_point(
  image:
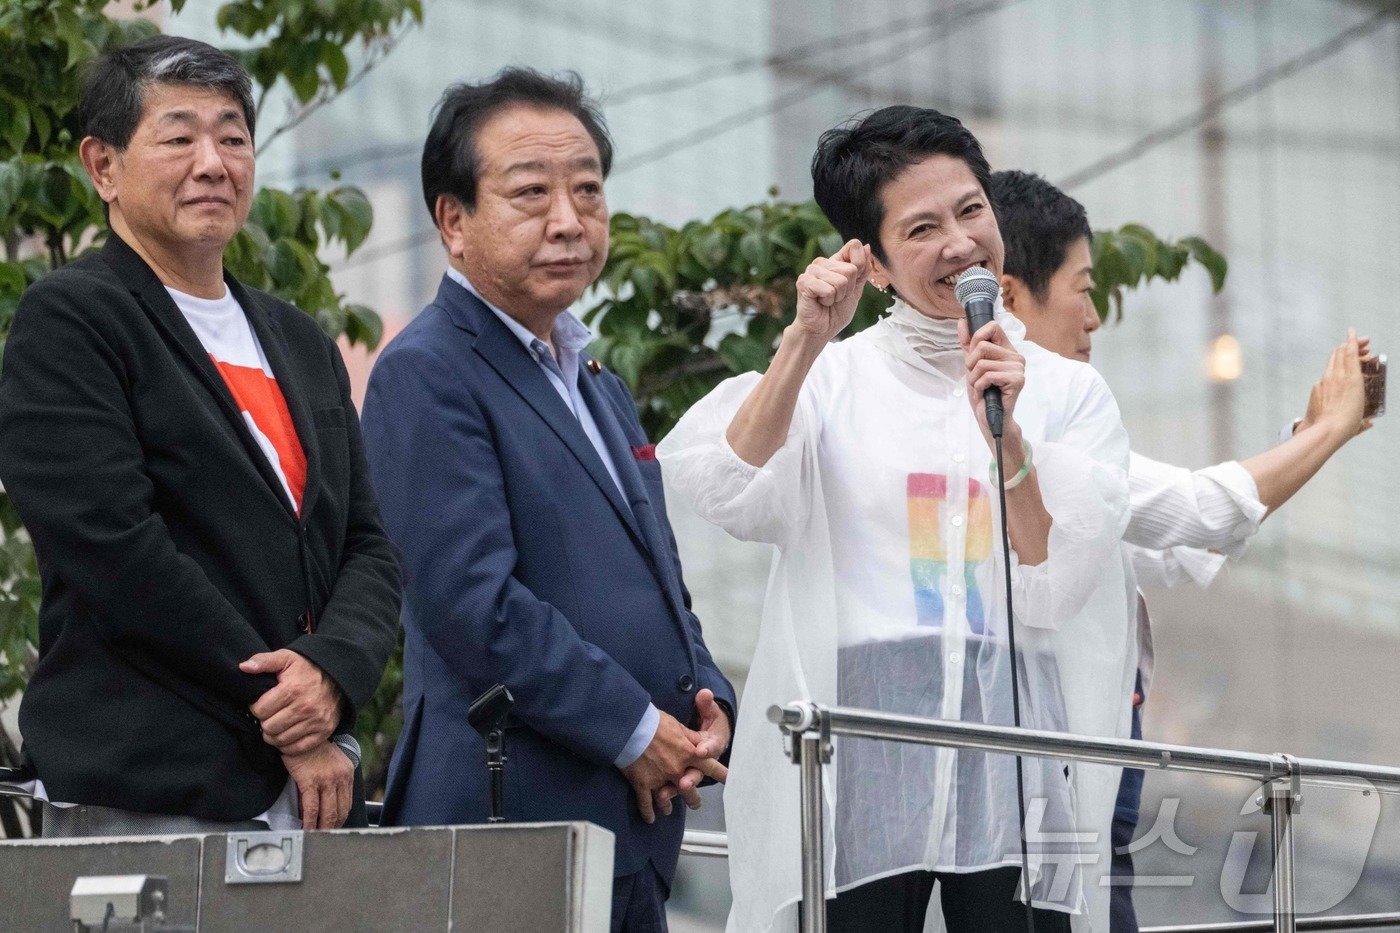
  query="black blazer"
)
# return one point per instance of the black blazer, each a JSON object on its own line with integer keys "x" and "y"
{"x": 167, "y": 550}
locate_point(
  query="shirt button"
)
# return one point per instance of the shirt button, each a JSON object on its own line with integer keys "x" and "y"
{"x": 685, "y": 683}
{"x": 954, "y": 657}
{"x": 958, "y": 392}
{"x": 956, "y": 589}
{"x": 957, "y": 521}
{"x": 958, "y": 458}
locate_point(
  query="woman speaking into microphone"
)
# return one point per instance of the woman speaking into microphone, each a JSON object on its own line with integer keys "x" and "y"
{"x": 868, "y": 463}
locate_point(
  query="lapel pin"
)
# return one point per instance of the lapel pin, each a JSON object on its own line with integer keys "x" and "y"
{"x": 594, "y": 367}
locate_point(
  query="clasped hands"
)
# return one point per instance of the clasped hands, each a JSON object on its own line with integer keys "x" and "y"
{"x": 679, "y": 758}
{"x": 298, "y": 717}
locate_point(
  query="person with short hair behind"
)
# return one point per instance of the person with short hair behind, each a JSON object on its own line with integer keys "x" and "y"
{"x": 1184, "y": 524}
{"x": 219, "y": 598}
{"x": 528, "y": 505}
{"x": 868, "y": 463}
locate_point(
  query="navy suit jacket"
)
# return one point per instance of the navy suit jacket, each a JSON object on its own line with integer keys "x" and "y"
{"x": 525, "y": 565}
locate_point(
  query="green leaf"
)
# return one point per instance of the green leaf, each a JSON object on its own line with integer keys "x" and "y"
{"x": 620, "y": 274}
{"x": 1100, "y": 298}
{"x": 12, "y": 279}
{"x": 368, "y": 328}
{"x": 829, "y": 243}
{"x": 276, "y": 212}
{"x": 1147, "y": 241}
{"x": 757, "y": 252}
{"x": 743, "y": 354}
{"x": 623, "y": 316}
{"x": 12, "y": 177}
{"x": 304, "y": 84}
{"x": 337, "y": 65}
{"x": 357, "y": 215}
{"x": 69, "y": 28}
{"x": 710, "y": 250}
{"x": 43, "y": 128}
{"x": 1206, "y": 255}
{"x": 1134, "y": 259}
{"x": 645, "y": 280}
{"x": 626, "y": 357}
{"x": 17, "y": 130}
{"x": 1110, "y": 269}
{"x": 283, "y": 263}
{"x": 1171, "y": 261}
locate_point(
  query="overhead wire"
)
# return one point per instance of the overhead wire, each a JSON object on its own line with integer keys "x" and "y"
{"x": 1212, "y": 108}
{"x": 953, "y": 19}
{"x": 798, "y": 54}
{"x": 790, "y": 56}
{"x": 1097, "y": 169}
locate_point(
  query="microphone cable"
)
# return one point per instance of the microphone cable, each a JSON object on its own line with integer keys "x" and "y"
{"x": 1015, "y": 680}
{"x": 976, "y": 290}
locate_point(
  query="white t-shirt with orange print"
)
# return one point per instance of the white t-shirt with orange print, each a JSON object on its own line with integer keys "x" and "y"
{"x": 228, "y": 338}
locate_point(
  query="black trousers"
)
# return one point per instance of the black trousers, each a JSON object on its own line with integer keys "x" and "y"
{"x": 973, "y": 902}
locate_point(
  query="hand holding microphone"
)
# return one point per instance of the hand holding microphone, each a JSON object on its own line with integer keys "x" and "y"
{"x": 996, "y": 373}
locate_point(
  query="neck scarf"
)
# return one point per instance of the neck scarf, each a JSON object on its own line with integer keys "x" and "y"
{"x": 931, "y": 343}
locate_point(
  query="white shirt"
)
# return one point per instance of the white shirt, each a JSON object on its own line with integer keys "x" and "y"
{"x": 226, "y": 335}
{"x": 1184, "y": 525}
{"x": 887, "y": 592}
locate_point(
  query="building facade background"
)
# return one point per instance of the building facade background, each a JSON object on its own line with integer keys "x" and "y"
{"x": 1270, "y": 127}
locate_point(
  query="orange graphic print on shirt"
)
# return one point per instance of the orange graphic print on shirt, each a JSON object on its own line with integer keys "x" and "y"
{"x": 265, "y": 410}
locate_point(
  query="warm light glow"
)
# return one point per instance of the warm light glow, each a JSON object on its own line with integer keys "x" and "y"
{"x": 1224, "y": 362}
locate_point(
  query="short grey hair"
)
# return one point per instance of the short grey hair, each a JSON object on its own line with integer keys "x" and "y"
{"x": 115, "y": 87}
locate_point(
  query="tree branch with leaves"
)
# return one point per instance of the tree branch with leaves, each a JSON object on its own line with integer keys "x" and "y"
{"x": 677, "y": 311}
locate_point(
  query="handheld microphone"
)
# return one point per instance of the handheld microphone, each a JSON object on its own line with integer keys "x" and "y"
{"x": 977, "y": 291}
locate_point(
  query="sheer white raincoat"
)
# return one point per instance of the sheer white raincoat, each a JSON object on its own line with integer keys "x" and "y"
{"x": 887, "y": 592}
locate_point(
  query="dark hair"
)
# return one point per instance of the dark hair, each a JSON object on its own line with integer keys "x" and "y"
{"x": 1038, "y": 223}
{"x": 450, "y": 162}
{"x": 115, "y": 86}
{"x": 855, "y": 161}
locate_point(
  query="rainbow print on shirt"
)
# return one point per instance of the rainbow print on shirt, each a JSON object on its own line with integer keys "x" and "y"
{"x": 928, "y": 561}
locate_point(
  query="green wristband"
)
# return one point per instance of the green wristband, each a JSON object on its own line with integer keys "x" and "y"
{"x": 1021, "y": 474}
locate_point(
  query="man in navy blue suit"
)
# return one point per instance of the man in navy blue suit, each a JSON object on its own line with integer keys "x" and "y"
{"x": 514, "y": 475}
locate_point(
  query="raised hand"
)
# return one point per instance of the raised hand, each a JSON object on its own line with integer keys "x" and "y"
{"x": 830, "y": 289}
{"x": 1338, "y": 399}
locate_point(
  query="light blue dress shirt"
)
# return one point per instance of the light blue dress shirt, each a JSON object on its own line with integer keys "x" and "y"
{"x": 570, "y": 336}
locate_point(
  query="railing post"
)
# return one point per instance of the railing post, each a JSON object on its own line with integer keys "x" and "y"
{"x": 808, "y": 731}
{"x": 1282, "y": 798}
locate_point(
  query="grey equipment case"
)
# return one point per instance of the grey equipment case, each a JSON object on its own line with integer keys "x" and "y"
{"x": 530, "y": 878}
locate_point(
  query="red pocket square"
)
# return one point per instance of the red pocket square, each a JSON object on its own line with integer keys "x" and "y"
{"x": 645, "y": 452}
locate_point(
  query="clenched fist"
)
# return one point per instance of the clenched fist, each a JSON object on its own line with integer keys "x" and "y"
{"x": 828, "y": 292}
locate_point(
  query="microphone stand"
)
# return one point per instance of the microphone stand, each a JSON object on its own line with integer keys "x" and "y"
{"x": 488, "y": 715}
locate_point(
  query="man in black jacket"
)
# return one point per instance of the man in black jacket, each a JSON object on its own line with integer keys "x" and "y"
{"x": 219, "y": 597}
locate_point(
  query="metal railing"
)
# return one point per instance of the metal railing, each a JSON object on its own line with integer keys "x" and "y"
{"x": 810, "y": 726}
{"x": 703, "y": 844}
